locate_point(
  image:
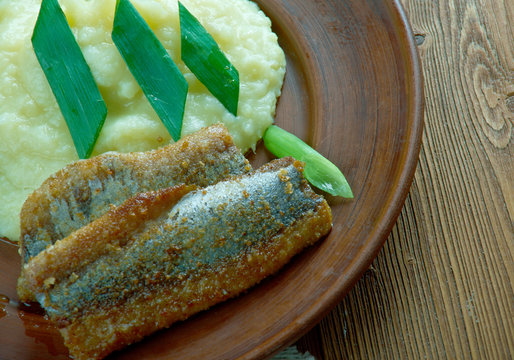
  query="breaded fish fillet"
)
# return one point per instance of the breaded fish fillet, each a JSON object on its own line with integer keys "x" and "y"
{"x": 85, "y": 190}
{"x": 163, "y": 256}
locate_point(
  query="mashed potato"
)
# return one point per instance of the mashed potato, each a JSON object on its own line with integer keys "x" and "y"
{"x": 34, "y": 138}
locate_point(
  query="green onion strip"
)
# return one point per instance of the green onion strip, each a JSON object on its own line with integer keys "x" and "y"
{"x": 160, "y": 79}
{"x": 69, "y": 77}
{"x": 319, "y": 171}
{"x": 204, "y": 58}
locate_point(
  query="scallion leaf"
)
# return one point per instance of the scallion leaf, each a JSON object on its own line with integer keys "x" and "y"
{"x": 160, "y": 79}
{"x": 204, "y": 58}
{"x": 69, "y": 77}
{"x": 319, "y": 171}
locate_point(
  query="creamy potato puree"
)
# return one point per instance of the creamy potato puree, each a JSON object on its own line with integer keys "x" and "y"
{"x": 34, "y": 138}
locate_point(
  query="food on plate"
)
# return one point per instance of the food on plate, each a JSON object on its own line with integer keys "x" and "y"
{"x": 83, "y": 191}
{"x": 319, "y": 171}
{"x": 126, "y": 243}
{"x": 35, "y": 139}
{"x": 164, "y": 255}
{"x": 204, "y": 58}
{"x": 69, "y": 77}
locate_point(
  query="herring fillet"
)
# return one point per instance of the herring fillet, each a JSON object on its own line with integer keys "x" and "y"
{"x": 85, "y": 190}
{"x": 197, "y": 248}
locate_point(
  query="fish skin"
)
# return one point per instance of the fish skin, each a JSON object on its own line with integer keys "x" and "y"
{"x": 206, "y": 245}
{"x": 85, "y": 190}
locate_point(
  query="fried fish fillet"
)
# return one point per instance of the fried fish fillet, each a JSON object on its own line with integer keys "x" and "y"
{"x": 163, "y": 256}
{"x": 85, "y": 190}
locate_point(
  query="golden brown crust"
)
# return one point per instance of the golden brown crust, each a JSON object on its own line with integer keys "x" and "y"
{"x": 166, "y": 260}
{"x": 85, "y": 190}
{"x": 202, "y": 158}
{"x": 108, "y": 233}
{"x": 143, "y": 316}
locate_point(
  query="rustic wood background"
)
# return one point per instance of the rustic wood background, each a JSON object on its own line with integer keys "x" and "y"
{"x": 442, "y": 286}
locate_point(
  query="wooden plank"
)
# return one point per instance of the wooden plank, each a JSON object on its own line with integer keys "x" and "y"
{"x": 443, "y": 286}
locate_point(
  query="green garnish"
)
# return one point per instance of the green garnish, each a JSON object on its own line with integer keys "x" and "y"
{"x": 205, "y": 59}
{"x": 319, "y": 171}
{"x": 160, "y": 79}
{"x": 69, "y": 77}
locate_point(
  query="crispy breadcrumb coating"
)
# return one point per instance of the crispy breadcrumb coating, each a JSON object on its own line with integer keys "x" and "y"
{"x": 85, "y": 190}
{"x": 165, "y": 255}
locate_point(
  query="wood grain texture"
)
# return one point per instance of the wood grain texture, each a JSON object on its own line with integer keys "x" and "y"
{"x": 442, "y": 286}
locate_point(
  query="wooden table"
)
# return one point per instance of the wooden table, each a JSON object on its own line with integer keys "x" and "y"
{"x": 443, "y": 285}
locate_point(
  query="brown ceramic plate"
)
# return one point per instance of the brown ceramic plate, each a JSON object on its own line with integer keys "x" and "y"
{"x": 353, "y": 90}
